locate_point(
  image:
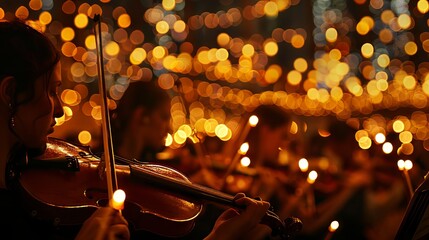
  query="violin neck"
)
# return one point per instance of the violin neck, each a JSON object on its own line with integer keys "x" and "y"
{"x": 154, "y": 174}
{"x": 180, "y": 185}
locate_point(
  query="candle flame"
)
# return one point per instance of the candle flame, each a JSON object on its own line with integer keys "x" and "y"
{"x": 408, "y": 164}
{"x": 245, "y": 161}
{"x": 244, "y": 148}
{"x": 118, "y": 199}
{"x": 253, "y": 120}
{"x": 312, "y": 176}
{"x": 303, "y": 164}
{"x": 334, "y": 226}
{"x": 401, "y": 164}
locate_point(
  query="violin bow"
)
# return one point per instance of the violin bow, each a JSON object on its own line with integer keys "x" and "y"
{"x": 109, "y": 157}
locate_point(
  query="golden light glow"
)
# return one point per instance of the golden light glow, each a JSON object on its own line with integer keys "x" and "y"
{"x": 380, "y": 138}
{"x": 245, "y": 161}
{"x": 271, "y": 48}
{"x": 398, "y": 126}
{"x": 112, "y": 48}
{"x": 294, "y": 77}
{"x": 179, "y": 26}
{"x": 244, "y": 148}
{"x": 118, "y": 199}
{"x": 303, "y": 164}
{"x": 137, "y": 56}
{"x": 253, "y": 120}
{"x": 67, "y": 34}
{"x": 401, "y": 164}
{"x": 312, "y": 176}
{"x": 300, "y": 64}
{"x": 423, "y": 6}
{"x": 248, "y": 50}
{"x": 81, "y": 20}
{"x": 411, "y": 48}
{"x": 271, "y": 9}
{"x": 334, "y": 226}
{"x": 35, "y": 4}
{"x": 387, "y": 147}
{"x": 124, "y": 21}
{"x": 222, "y": 78}
{"x": 84, "y": 137}
{"x": 90, "y": 42}
{"x": 365, "y": 142}
{"x": 45, "y": 18}
{"x": 408, "y": 165}
{"x": 22, "y": 13}
{"x": 223, "y": 39}
{"x": 404, "y": 21}
{"x": 168, "y": 140}
{"x": 406, "y": 137}
{"x": 221, "y": 131}
{"x": 367, "y": 50}
{"x": 162, "y": 27}
{"x": 383, "y": 60}
{"x": 331, "y": 35}
{"x": 168, "y": 4}
{"x": 159, "y": 52}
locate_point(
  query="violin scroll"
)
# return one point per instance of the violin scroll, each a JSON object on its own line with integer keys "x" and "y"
{"x": 293, "y": 226}
{"x": 286, "y": 229}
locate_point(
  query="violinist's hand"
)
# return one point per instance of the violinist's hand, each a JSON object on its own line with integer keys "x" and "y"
{"x": 104, "y": 224}
{"x": 233, "y": 225}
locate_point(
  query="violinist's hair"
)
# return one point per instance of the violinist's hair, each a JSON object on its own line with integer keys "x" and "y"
{"x": 25, "y": 54}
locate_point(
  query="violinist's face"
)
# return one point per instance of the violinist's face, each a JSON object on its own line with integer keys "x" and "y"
{"x": 35, "y": 119}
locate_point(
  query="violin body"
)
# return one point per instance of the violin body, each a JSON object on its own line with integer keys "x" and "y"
{"x": 67, "y": 184}
{"x": 67, "y": 190}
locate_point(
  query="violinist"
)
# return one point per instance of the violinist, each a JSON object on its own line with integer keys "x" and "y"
{"x": 266, "y": 141}
{"x": 29, "y": 81}
{"x": 141, "y": 121}
{"x": 140, "y": 125}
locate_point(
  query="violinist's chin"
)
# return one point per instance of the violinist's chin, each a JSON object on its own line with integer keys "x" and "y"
{"x": 34, "y": 152}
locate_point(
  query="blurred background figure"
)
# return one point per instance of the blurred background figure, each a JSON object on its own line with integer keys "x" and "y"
{"x": 356, "y": 187}
{"x": 264, "y": 175}
{"x": 141, "y": 121}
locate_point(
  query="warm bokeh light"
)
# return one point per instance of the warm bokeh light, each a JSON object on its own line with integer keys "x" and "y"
{"x": 367, "y": 68}
{"x": 244, "y": 148}
{"x": 408, "y": 165}
{"x": 380, "y": 138}
{"x": 401, "y": 164}
{"x": 118, "y": 199}
{"x": 387, "y": 147}
{"x": 303, "y": 164}
{"x": 84, "y": 137}
{"x": 334, "y": 226}
{"x": 245, "y": 161}
{"x": 312, "y": 176}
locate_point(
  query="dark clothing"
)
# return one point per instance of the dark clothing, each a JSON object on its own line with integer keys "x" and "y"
{"x": 351, "y": 219}
{"x": 15, "y": 223}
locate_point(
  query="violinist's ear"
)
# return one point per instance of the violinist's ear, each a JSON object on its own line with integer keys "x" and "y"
{"x": 7, "y": 89}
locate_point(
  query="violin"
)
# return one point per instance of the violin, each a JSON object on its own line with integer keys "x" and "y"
{"x": 65, "y": 186}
